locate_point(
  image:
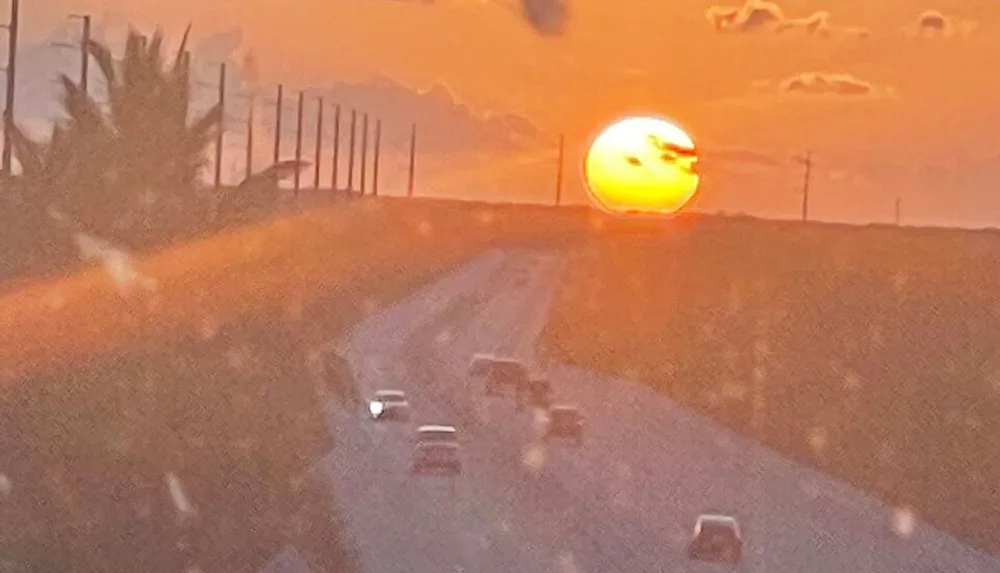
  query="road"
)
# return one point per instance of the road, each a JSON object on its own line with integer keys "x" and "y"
{"x": 624, "y": 501}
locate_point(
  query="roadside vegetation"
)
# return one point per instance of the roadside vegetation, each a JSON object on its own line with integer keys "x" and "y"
{"x": 166, "y": 410}
{"x": 871, "y": 353}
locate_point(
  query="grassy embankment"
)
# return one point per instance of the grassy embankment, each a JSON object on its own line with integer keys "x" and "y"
{"x": 875, "y": 351}
{"x": 205, "y": 375}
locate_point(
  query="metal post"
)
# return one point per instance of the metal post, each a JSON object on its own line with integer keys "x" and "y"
{"x": 8, "y": 112}
{"x": 222, "y": 126}
{"x": 319, "y": 141}
{"x": 559, "y": 171}
{"x": 250, "y": 120}
{"x": 350, "y": 154}
{"x": 298, "y": 141}
{"x": 413, "y": 157}
{"x": 364, "y": 151}
{"x": 375, "y": 159}
{"x": 336, "y": 149}
{"x": 277, "y": 123}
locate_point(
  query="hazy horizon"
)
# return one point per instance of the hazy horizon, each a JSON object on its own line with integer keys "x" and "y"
{"x": 903, "y": 114}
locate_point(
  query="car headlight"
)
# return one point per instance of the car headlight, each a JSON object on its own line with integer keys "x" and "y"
{"x": 375, "y": 408}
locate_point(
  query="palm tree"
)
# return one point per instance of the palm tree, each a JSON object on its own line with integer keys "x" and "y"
{"x": 134, "y": 161}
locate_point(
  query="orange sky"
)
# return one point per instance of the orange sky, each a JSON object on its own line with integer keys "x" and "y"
{"x": 939, "y": 99}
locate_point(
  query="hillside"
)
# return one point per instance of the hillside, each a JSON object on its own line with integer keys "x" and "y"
{"x": 872, "y": 353}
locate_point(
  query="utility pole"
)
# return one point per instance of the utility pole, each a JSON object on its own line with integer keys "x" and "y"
{"x": 8, "y": 112}
{"x": 350, "y": 154}
{"x": 559, "y": 172}
{"x": 84, "y": 51}
{"x": 897, "y": 210}
{"x": 364, "y": 152}
{"x": 319, "y": 141}
{"x": 413, "y": 158}
{"x": 222, "y": 126}
{"x": 298, "y": 141}
{"x": 336, "y": 148}
{"x": 277, "y": 123}
{"x": 250, "y": 120}
{"x": 805, "y": 186}
{"x": 376, "y": 151}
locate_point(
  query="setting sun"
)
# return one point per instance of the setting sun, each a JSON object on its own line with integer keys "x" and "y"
{"x": 642, "y": 165}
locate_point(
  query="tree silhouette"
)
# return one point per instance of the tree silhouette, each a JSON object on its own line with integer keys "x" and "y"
{"x": 128, "y": 167}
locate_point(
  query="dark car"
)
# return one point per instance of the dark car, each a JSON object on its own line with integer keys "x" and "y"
{"x": 565, "y": 422}
{"x": 716, "y": 538}
{"x": 480, "y": 365}
{"x": 436, "y": 457}
{"x": 505, "y": 376}
{"x": 540, "y": 390}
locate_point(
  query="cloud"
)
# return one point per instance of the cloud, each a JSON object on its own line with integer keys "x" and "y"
{"x": 545, "y": 17}
{"x": 932, "y": 23}
{"x": 445, "y": 124}
{"x": 827, "y": 84}
{"x": 764, "y": 16}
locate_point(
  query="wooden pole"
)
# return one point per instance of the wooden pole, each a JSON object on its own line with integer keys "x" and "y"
{"x": 336, "y": 148}
{"x": 350, "y": 153}
{"x": 8, "y": 112}
{"x": 559, "y": 171}
{"x": 364, "y": 152}
{"x": 375, "y": 158}
{"x": 319, "y": 141}
{"x": 250, "y": 120}
{"x": 222, "y": 126}
{"x": 805, "y": 187}
{"x": 413, "y": 159}
{"x": 85, "y": 55}
{"x": 277, "y": 122}
{"x": 298, "y": 141}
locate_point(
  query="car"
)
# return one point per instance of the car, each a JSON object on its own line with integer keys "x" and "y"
{"x": 505, "y": 375}
{"x": 716, "y": 538}
{"x": 540, "y": 390}
{"x": 389, "y": 405}
{"x": 436, "y": 457}
{"x": 480, "y": 364}
{"x": 436, "y": 434}
{"x": 565, "y": 421}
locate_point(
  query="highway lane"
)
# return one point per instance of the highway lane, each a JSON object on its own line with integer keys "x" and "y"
{"x": 625, "y": 501}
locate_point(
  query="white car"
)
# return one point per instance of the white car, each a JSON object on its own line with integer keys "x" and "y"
{"x": 436, "y": 457}
{"x": 716, "y": 538}
{"x": 390, "y": 405}
{"x": 436, "y": 434}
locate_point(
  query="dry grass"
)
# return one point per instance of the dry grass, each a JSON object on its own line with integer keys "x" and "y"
{"x": 205, "y": 375}
{"x": 873, "y": 353}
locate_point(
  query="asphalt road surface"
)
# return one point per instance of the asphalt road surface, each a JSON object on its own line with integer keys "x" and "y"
{"x": 624, "y": 501}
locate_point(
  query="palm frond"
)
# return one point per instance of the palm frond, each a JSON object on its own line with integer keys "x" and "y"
{"x": 29, "y": 153}
{"x": 81, "y": 108}
{"x": 181, "y": 57}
